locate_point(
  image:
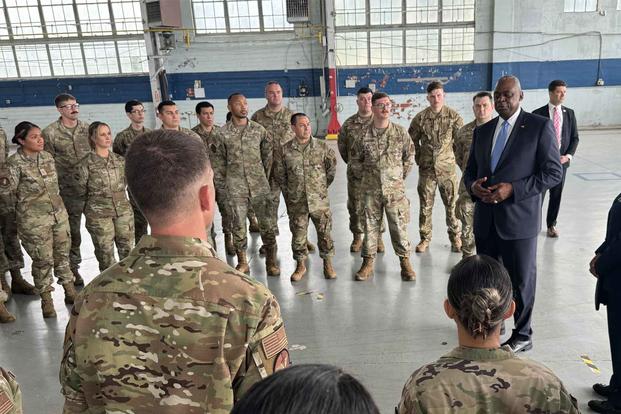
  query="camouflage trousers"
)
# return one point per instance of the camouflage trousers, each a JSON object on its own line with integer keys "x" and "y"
{"x": 11, "y": 256}
{"x": 464, "y": 209}
{"x": 262, "y": 206}
{"x": 397, "y": 208}
{"x": 141, "y": 226}
{"x": 75, "y": 207}
{"x": 108, "y": 231}
{"x": 427, "y": 184}
{"x": 225, "y": 212}
{"x": 298, "y": 223}
{"x": 355, "y": 204}
{"x": 3, "y": 296}
{"x": 275, "y": 188}
{"x": 10, "y": 388}
{"x": 48, "y": 243}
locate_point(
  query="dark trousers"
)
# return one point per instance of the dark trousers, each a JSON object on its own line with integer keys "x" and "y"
{"x": 520, "y": 259}
{"x": 613, "y": 309}
{"x": 554, "y": 204}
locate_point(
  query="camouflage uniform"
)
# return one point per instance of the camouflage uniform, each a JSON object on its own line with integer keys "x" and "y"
{"x": 42, "y": 221}
{"x": 121, "y": 144}
{"x": 170, "y": 329}
{"x": 242, "y": 162}
{"x": 109, "y": 217}
{"x": 305, "y": 172}
{"x": 10, "y": 393}
{"x": 68, "y": 147}
{"x": 433, "y": 135}
{"x": 386, "y": 159}
{"x": 485, "y": 381}
{"x": 464, "y": 208}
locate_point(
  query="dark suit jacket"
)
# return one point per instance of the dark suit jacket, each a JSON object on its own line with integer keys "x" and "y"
{"x": 569, "y": 131}
{"x": 530, "y": 162}
{"x": 608, "y": 265}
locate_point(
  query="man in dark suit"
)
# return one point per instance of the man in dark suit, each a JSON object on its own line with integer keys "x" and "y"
{"x": 566, "y": 133}
{"x": 514, "y": 158}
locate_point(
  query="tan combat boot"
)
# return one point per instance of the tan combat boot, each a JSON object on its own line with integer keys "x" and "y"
{"x": 271, "y": 267}
{"x": 328, "y": 270}
{"x": 456, "y": 245}
{"x": 70, "y": 293}
{"x": 5, "y": 315}
{"x": 5, "y": 285}
{"x": 310, "y": 247}
{"x": 300, "y": 271}
{"x": 407, "y": 273}
{"x": 19, "y": 285}
{"x": 254, "y": 224}
{"x": 422, "y": 246}
{"x": 228, "y": 244}
{"x": 242, "y": 263}
{"x": 78, "y": 278}
{"x": 366, "y": 270}
{"x": 47, "y": 305}
{"x": 356, "y": 244}
{"x": 380, "y": 245}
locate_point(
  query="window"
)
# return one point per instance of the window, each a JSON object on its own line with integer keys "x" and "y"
{"x": 275, "y": 15}
{"x": 59, "y": 18}
{"x": 352, "y": 48}
{"x": 243, "y": 15}
{"x": 385, "y": 12}
{"x": 94, "y": 17}
{"x": 350, "y": 12}
{"x": 421, "y": 46}
{"x": 580, "y": 6}
{"x": 421, "y": 11}
{"x": 24, "y": 18}
{"x": 32, "y": 60}
{"x": 100, "y": 58}
{"x": 457, "y": 10}
{"x": 457, "y": 44}
{"x": 386, "y": 47}
{"x": 8, "y": 68}
{"x": 239, "y": 16}
{"x": 4, "y": 32}
{"x": 133, "y": 56}
{"x": 127, "y": 17}
{"x": 209, "y": 16}
{"x": 66, "y": 59}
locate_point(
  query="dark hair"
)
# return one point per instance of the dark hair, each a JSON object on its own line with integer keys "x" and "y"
{"x": 129, "y": 105}
{"x": 162, "y": 104}
{"x": 21, "y": 131}
{"x": 63, "y": 97}
{"x": 294, "y": 117}
{"x": 363, "y": 91}
{"x": 229, "y": 115}
{"x": 378, "y": 95}
{"x": 307, "y": 389}
{"x": 201, "y": 105}
{"x": 555, "y": 84}
{"x": 483, "y": 94}
{"x": 434, "y": 85}
{"x": 170, "y": 159}
{"x": 480, "y": 291}
{"x": 92, "y": 130}
{"x": 233, "y": 95}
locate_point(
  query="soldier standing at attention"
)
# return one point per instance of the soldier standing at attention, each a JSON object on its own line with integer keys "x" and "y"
{"x": 385, "y": 153}
{"x": 168, "y": 113}
{"x": 480, "y": 376}
{"x": 135, "y": 112}
{"x": 432, "y": 131}
{"x": 304, "y": 168}
{"x": 483, "y": 108}
{"x": 242, "y": 163}
{"x": 42, "y": 221}
{"x": 352, "y": 130}
{"x": 171, "y": 328}
{"x": 67, "y": 140}
{"x": 109, "y": 217}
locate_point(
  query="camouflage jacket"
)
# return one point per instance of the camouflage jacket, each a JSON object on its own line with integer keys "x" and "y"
{"x": 243, "y": 160}
{"x": 433, "y": 136}
{"x": 102, "y": 184}
{"x": 352, "y": 130}
{"x": 124, "y": 138}
{"x": 10, "y": 393}
{"x": 171, "y": 328}
{"x": 210, "y": 139}
{"x": 277, "y": 124}
{"x": 67, "y": 147}
{"x": 461, "y": 148}
{"x": 386, "y": 159}
{"x": 7, "y": 200}
{"x": 485, "y": 381}
{"x": 305, "y": 174}
{"x": 35, "y": 185}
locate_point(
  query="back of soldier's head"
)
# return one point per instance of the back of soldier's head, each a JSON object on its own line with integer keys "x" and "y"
{"x": 307, "y": 389}
{"x": 163, "y": 169}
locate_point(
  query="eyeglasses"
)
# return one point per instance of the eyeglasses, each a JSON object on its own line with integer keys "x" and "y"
{"x": 70, "y": 106}
{"x": 383, "y": 106}
{"x": 138, "y": 111}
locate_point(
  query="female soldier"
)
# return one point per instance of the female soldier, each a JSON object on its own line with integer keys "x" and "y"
{"x": 109, "y": 217}
{"x": 479, "y": 376}
{"x": 42, "y": 221}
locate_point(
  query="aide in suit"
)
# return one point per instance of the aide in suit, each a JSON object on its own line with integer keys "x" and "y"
{"x": 514, "y": 158}
{"x": 566, "y": 133}
{"x": 606, "y": 267}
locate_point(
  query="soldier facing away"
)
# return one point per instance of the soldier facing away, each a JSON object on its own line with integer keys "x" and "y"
{"x": 385, "y": 153}
{"x": 304, "y": 168}
{"x": 10, "y": 393}
{"x": 483, "y": 108}
{"x": 171, "y": 328}
{"x": 432, "y": 131}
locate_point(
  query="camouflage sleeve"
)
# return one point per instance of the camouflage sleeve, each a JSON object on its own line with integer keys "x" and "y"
{"x": 267, "y": 349}
{"x": 459, "y": 155}
{"x": 70, "y": 381}
{"x": 408, "y": 151}
{"x": 255, "y": 117}
{"x": 459, "y": 122}
{"x": 5, "y": 146}
{"x": 14, "y": 176}
{"x": 330, "y": 165}
{"x": 342, "y": 143}
{"x": 414, "y": 131}
{"x": 279, "y": 170}
{"x": 409, "y": 404}
{"x": 48, "y": 142}
{"x": 218, "y": 163}
{"x": 568, "y": 403}
{"x": 267, "y": 152}
{"x": 119, "y": 146}
{"x": 81, "y": 176}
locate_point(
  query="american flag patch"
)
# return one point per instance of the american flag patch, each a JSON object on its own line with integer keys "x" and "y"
{"x": 6, "y": 404}
{"x": 274, "y": 343}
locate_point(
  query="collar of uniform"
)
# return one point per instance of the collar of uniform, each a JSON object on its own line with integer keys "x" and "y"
{"x": 172, "y": 246}
{"x": 296, "y": 145}
{"x": 273, "y": 114}
{"x": 238, "y": 128}
{"x": 443, "y": 112}
{"x": 480, "y": 354}
{"x": 79, "y": 125}
{"x": 374, "y": 131}
{"x": 99, "y": 158}
{"x": 363, "y": 119}
{"x": 22, "y": 154}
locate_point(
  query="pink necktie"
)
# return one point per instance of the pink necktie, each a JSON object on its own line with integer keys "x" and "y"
{"x": 557, "y": 125}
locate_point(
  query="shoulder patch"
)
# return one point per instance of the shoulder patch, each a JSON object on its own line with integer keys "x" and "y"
{"x": 6, "y": 404}
{"x": 275, "y": 343}
{"x": 282, "y": 360}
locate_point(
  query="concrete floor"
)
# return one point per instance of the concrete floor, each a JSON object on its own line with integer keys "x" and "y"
{"x": 382, "y": 330}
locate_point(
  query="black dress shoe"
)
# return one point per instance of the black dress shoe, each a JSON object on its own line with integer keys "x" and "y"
{"x": 519, "y": 345}
{"x": 604, "y": 406}
{"x": 603, "y": 390}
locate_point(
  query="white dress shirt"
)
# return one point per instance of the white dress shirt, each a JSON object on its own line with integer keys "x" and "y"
{"x": 511, "y": 122}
